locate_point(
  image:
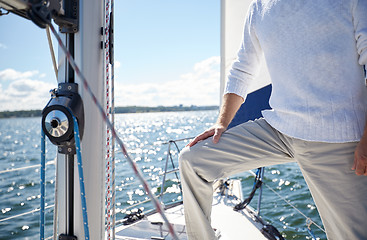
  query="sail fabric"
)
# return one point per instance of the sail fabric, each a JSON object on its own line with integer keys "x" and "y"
{"x": 233, "y": 13}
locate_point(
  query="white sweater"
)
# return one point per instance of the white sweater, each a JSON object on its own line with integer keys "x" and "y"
{"x": 315, "y": 51}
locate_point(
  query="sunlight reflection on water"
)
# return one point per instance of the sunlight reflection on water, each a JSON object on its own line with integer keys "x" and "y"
{"x": 144, "y": 135}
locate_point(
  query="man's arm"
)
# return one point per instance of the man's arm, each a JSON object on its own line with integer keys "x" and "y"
{"x": 360, "y": 155}
{"x": 231, "y": 104}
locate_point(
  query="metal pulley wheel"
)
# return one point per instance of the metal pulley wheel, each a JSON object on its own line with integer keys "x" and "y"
{"x": 57, "y": 123}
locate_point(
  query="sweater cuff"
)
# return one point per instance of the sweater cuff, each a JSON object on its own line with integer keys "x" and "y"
{"x": 238, "y": 87}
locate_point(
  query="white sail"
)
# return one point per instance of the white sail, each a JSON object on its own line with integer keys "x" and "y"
{"x": 233, "y": 13}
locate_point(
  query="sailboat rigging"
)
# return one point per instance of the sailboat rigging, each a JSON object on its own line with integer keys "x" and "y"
{"x": 77, "y": 21}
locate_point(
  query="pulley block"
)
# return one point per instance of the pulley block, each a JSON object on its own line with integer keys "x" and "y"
{"x": 57, "y": 117}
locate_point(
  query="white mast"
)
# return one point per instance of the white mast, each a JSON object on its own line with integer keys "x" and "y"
{"x": 89, "y": 57}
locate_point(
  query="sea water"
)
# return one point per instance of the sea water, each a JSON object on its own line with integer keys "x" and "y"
{"x": 145, "y": 135}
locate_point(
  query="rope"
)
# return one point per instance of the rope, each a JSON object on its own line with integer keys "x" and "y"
{"x": 55, "y": 203}
{"x": 81, "y": 179}
{"x": 112, "y": 61}
{"x": 178, "y": 140}
{"x": 159, "y": 143}
{"x": 113, "y": 131}
{"x": 108, "y": 146}
{"x": 23, "y": 168}
{"x": 309, "y": 230}
{"x": 43, "y": 185}
{"x": 50, "y": 45}
{"x": 309, "y": 220}
{"x": 23, "y": 214}
{"x": 257, "y": 184}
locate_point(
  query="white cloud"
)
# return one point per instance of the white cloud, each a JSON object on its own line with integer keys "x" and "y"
{"x": 24, "y": 92}
{"x": 3, "y": 46}
{"x": 198, "y": 87}
{"x": 117, "y": 64}
{"x": 11, "y": 74}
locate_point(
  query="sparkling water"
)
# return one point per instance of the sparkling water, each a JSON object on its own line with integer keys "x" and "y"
{"x": 145, "y": 135}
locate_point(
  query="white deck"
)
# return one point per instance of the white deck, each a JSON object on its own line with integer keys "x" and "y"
{"x": 231, "y": 224}
{"x": 234, "y": 225}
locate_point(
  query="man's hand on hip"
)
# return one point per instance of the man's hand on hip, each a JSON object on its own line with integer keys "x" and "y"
{"x": 360, "y": 158}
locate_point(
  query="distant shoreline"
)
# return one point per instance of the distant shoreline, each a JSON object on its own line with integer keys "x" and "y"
{"x": 118, "y": 110}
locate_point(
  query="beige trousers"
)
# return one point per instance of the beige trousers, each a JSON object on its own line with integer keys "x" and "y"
{"x": 339, "y": 194}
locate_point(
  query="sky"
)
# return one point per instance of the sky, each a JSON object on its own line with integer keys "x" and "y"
{"x": 166, "y": 53}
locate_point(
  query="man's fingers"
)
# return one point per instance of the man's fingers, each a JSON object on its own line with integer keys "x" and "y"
{"x": 354, "y": 164}
{"x": 215, "y": 132}
{"x": 360, "y": 168}
{"x": 193, "y": 142}
{"x": 201, "y": 137}
{"x": 360, "y": 171}
{"x": 217, "y": 135}
{"x": 360, "y": 159}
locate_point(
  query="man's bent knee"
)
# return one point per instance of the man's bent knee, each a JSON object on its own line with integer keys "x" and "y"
{"x": 185, "y": 156}
{"x": 190, "y": 157}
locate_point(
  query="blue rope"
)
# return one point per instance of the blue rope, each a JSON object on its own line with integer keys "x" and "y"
{"x": 43, "y": 169}
{"x": 309, "y": 222}
{"x": 81, "y": 178}
{"x": 311, "y": 233}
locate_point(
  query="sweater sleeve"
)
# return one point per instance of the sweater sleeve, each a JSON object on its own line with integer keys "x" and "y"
{"x": 360, "y": 28}
{"x": 247, "y": 65}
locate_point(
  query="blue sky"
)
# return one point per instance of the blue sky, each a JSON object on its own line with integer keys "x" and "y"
{"x": 166, "y": 52}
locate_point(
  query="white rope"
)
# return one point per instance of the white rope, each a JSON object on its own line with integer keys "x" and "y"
{"x": 23, "y": 214}
{"x": 56, "y": 213}
{"x": 23, "y": 168}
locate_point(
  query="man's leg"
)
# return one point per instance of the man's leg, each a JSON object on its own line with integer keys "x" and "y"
{"x": 340, "y": 195}
{"x": 247, "y": 146}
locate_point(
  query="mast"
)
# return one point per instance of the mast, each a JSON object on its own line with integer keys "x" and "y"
{"x": 89, "y": 57}
{"x": 233, "y": 13}
{"x": 80, "y": 23}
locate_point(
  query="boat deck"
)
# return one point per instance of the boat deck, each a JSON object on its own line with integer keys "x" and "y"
{"x": 231, "y": 224}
